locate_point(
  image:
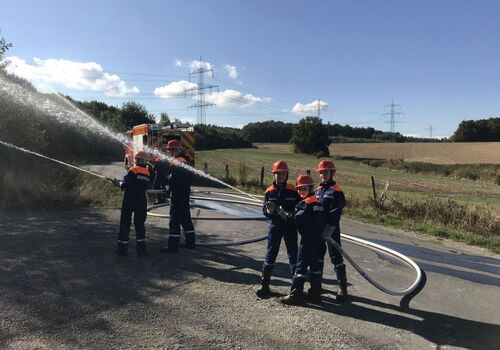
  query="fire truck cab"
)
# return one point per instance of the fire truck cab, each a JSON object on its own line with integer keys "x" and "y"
{"x": 146, "y": 137}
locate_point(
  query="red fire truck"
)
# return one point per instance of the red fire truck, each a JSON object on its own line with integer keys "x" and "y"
{"x": 157, "y": 136}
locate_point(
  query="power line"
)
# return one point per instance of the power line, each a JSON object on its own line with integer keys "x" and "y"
{"x": 200, "y": 91}
{"x": 430, "y": 131}
{"x": 393, "y": 114}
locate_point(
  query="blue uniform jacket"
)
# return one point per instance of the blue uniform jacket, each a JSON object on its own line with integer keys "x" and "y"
{"x": 179, "y": 179}
{"x": 285, "y": 196}
{"x": 332, "y": 199}
{"x": 308, "y": 218}
{"x": 135, "y": 184}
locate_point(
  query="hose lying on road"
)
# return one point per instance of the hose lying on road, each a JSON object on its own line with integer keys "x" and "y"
{"x": 216, "y": 244}
{"x": 408, "y": 293}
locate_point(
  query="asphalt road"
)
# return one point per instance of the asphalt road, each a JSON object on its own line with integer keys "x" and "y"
{"x": 62, "y": 287}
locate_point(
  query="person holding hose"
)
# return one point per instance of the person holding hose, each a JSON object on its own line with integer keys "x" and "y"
{"x": 160, "y": 170}
{"x": 308, "y": 218}
{"x": 332, "y": 199}
{"x": 279, "y": 194}
{"x": 179, "y": 184}
{"x": 134, "y": 185}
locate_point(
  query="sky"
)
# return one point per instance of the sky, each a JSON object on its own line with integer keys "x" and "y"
{"x": 439, "y": 60}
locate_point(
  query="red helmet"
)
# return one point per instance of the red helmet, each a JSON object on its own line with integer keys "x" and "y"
{"x": 304, "y": 180}
{"x": 279, "y": 165}
{"x": 174, "y": 144}
{"x": 326, "y": 165}
{"x": 141, "y": 155}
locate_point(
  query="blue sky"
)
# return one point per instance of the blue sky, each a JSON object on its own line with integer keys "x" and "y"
{"x": 439, "y": 59}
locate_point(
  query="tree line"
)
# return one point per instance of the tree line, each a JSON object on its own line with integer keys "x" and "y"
{"x": 478, "y": 130}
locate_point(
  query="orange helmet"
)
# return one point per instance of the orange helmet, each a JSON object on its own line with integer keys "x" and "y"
{"x": 304, "y": 180}
{"x": 141, "y": 155}
{"x": 279, "y": 165}
{"x": 326, "y": 165}
{"x": 174, "y": 144}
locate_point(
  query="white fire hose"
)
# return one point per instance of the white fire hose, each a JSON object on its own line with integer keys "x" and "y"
{"x": 407, "y": 293}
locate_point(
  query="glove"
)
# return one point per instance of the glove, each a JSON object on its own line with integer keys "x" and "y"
{"x": 271, "y": 208}
{"x": 283, "y": 214}
{"x": 116, "y": 182}
{"x": 327, "y": 232}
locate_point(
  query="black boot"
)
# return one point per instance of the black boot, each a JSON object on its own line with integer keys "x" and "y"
{"x": 314, "y": 293}
{"x": 121, "y": 250}
{"x": 264, "y": 292}
{"x": 141, "y": 249}
{"x": 190, "y": 240}
{"x": 295, "y": 297}
{"x": 342, "y": 294}
{"x": 173, "y": 246}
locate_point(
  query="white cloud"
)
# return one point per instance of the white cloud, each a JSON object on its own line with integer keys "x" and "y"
{"x": 233, "y": 98}
{"x": 71, "y": 74}
{"x": 194, "y": 65}
{"x": 231, "y": 71}
{"x": 175, "y": 89}
{"x": 308, "y": 107}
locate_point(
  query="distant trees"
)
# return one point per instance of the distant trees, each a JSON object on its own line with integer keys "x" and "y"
{"x": 311, "y": 136}
{"x": 119, "y": 119}
{"x": 133, "y": 113}
{"x": 268, "y": 131}
{"x": 478, "y": 130}
{"x": 164, "y": 119}
{"x": 213, "y": 137}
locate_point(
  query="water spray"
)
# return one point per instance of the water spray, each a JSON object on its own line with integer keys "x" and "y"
{"x": 9, "y": 145}
{"x": 148, "y": 149}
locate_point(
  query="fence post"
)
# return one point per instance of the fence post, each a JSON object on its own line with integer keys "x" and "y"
{"x": 373, "y": 188}
{"x": 262, "y": 176}
{"x": 308, "y": 172}
{"x": 227, "y": 172}
{"x": 205, "y": 167}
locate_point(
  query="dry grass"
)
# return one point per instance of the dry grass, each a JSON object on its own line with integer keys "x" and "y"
{"x": 437, "y": 153}
{"x": 44, "y": 187}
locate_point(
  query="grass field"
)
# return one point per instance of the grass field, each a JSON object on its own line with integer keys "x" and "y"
{"x": 413, "y": 200}
{"x": 437, "y": 153}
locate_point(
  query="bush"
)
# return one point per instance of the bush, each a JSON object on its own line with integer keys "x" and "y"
{"x": 311, "y": 136}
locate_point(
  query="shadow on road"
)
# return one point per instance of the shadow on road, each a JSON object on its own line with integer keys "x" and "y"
{"x": 59, "y": 275}
{"x": 435, "y": 327}
{"x": 427, "y": 259}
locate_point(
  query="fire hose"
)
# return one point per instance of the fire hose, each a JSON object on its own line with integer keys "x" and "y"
{"x": 407, "y": 293}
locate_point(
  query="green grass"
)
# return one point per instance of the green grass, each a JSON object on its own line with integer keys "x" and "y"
{"x": 476, "y": 199}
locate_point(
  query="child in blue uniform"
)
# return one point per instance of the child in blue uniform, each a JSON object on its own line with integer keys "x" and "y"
{"x": 280, "y": 194}
{"x": 134, "y": 184}
{"x": 308, "y": 218}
